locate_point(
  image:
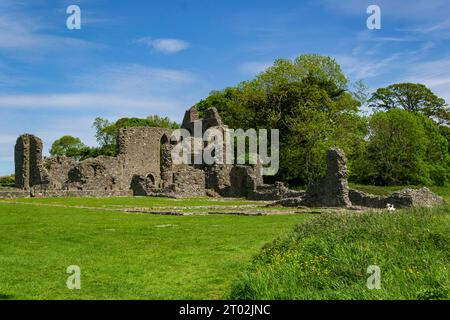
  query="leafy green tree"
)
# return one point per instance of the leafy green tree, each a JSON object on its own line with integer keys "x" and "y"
{"x": 445, "y": 132}
{"x": 68, "y": 146}
{"x": 403, "y": 148}
{"x": 307, "y": 100}
{"x": 7, "y": 181}
{"x": 413, "y": 97}
{"x": 103, "y": 132}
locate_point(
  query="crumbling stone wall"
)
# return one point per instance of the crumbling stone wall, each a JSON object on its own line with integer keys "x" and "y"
{"x": 28, "y": 162}
{"x": 101, "y": 173}
{"x": 58, "y": 171}
{"x": 139, "y": 153}
{"x": 400, "y": 199}
{"x": 332, "y": 189}
{"x": 275, "y": 191}
{"x": 143, "y": 166}
{"x": 189, "y": 182}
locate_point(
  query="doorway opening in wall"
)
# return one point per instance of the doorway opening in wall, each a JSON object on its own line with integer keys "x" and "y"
{"x": 151, "y": 178}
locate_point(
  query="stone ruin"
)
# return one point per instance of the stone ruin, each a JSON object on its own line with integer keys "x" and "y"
{"x": 332, "y": 191}
{"x": 143, "y": 167}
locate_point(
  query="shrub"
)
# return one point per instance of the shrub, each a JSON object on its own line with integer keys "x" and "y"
{"x": 7, "y": 181}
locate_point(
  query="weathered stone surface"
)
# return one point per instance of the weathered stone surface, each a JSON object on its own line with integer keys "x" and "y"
{"x": 143, "y": 166}
{"x": 139, "y": 153}
{"x": 28, "y": 162}
{"x": 290, "y": 202}
{"x": 332, "y": 189}
{"x": 415, "y": 198}
{"x": 99, "y": 173}
{"x": 58, "y": 171}
{"x": 189, "y": 182}
{"x": 142, "y": 186}
{"x": 401, "y": 199}
{"x": 14, "y": 194}
{"x": 276, "y": 191}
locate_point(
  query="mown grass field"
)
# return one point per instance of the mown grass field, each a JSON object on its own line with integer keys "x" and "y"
{"x": 145, "y": 256}
{"x": 127, "y": 255}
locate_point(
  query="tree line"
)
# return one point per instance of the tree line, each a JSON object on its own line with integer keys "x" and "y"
{"x": 398, "y": 135}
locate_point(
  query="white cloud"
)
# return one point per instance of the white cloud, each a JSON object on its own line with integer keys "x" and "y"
{"x": 363, "y": 68}
{"x": 435, "y": 74}
{"x": 253, "y": 68}
{"x": 134, "y": 78}
{"x": 77, "y": 101}
{"x": 22, "y": 36}
{"x": 165, "y": 45}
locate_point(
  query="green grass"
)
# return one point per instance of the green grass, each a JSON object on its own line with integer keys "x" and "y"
{"x": 127, "y": 256}
{"x": 143, "y": 256}
{"x": 328, "y": 257}
{"x": 145, "y": 202}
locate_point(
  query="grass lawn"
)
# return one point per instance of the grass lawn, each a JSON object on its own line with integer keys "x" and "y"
{"x": 127, "y": 256}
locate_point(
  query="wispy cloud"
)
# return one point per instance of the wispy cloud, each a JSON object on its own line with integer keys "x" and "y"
{"x": 253, "y": 68}
{"x": 435, "y": 74}
{"x": 400, "y": 9}
{"x": 164, "y": 45}
{"x": 22, "y": 34}
{"x": 135, "y": 79}
{"x": 77, "y": 101}
{"x": 363, "y": 68}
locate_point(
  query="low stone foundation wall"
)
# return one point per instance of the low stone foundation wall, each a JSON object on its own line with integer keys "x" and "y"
{"x": 64, "y": 193}
{"x": 401, "y": 199}
{"x": 14, "y": 194}
{"x": 271, "y": 192}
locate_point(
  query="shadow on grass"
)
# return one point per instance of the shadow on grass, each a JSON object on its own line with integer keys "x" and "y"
{"x": 5, "y": 296}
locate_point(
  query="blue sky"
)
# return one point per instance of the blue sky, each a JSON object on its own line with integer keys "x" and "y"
{"x": 139, "y": 58}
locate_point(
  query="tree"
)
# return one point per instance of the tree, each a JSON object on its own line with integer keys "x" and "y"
{"x": 412, "y": 97}
{"x": 307, "y": 100}
{"x": 68, "y": 146}
{"x": 103, "y": 135}
{"x": 403, "y": 148}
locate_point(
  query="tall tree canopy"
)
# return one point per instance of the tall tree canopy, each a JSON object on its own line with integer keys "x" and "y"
{"x": 68, "y": 146}
{"x": 403, "y": 148}
{"x": 307, "y": 100}
{"x": 412, "y": 97}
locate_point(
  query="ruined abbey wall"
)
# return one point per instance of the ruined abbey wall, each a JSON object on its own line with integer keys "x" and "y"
{"x": 143, "y": 166}
{"x": 139, "y": 153}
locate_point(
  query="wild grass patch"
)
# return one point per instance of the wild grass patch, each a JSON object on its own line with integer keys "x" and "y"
{"x": 328, "y": 258}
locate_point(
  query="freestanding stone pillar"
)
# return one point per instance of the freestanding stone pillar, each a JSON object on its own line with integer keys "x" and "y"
{"x": 332, "y": 189}
{"x": 28, "y": 160}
